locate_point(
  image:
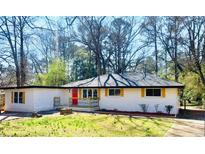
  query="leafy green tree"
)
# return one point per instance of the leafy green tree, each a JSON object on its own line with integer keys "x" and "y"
{"x": 194, "y": 90}
{"x": 56, "y": 75}
{"x": 83, "y": 66}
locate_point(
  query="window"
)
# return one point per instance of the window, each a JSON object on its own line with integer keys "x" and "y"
{"x": 85, "y": 93}
{"x": 153, "y": 92}
{"x": 95, "y": 93}
{"x": 111, "y": 92}
{"x": 15, "y": 97}
{"x": 114, "y": 92}
{"x": 90, "y": 93}
{"x": 19, "y": 97}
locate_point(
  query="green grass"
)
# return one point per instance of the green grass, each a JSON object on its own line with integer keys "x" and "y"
{"x": 89, "y": 125}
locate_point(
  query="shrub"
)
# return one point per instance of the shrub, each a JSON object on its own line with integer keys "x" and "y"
{"x": 144, "y": 107}
{"x": 168, "y": 108}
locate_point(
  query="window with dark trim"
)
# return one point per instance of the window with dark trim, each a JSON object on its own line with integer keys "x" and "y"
{"x": 85, "y": 93}
{"x": 18, "y": 97}
{"x": 153, "y": 92}
{"x": 90, "y": 93}
{"x": 95, "y": 93}
{"x": 114, "y": 92}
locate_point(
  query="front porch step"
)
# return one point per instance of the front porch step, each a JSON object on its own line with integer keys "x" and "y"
{"x": 83, "y": 108}
{"x": 61, "y": 106}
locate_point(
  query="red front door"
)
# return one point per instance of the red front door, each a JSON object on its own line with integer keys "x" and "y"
{"x": 75, "y": 96}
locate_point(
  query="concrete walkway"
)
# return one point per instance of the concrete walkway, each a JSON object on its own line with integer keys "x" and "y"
{"x": 187, "y": 128}
{"x": 5, "y": 117}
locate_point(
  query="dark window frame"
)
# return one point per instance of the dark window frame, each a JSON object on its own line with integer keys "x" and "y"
{"x": 114, "y": 92}
{"x": 95, "y": 93}
{"x": 90, "y": 93}
{"x": 153, "y": 92}
{"x": 18, "y": 97}
{"x": 86, "y": 92}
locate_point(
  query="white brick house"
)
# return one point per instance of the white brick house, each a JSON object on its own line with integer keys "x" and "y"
{"x": 122, "y": 92}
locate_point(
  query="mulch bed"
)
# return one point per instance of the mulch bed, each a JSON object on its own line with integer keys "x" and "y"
{"x": 111, "y": 112}
{"x": 148, "y": 114}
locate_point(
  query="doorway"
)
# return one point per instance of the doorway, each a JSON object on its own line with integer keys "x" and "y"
{"x": 74, "y": 96}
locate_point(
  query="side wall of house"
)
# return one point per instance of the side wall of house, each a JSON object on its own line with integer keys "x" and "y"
{"x": 44, "y": 98}
{"x": 132, "y": 99}
{"x": 27, "y": 107}
{"x": 36, "y": 99}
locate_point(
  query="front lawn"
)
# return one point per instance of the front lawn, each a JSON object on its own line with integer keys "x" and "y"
{"x": 79, "y": 124}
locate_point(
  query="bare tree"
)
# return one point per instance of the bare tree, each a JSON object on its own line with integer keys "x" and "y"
{"x": 92, "y": 33}
{"x": 13, "y": 34}
{"x": 122, "y": 44}
{"x": 195, "y": 44}
{"x": 170, "y": 37}
{"x": 6, "y": 75}
{"x": 151, "y": 28}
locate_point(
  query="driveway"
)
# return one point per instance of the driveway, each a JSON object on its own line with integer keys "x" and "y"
{"x": 12, "y": 115}
{"x": 17, "y": 115}
{"x": 187, "y": 128}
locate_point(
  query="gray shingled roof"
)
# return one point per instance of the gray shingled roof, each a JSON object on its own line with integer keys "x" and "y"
{"x": 125, "y": 80}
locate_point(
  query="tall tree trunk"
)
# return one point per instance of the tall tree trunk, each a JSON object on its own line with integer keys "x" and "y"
{"x": 175, "y": 50}
{"x": 155, "y": 47}
{"x": 22, "y": 54}
{"x": 98, "y": 65}
{"x": 176, "y": 62}
{"x": 166, "y": 66}
{"x": 18, "y": 79}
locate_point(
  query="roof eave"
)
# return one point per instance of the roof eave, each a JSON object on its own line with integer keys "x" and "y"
{"x": 27, "y": 87}
{"x": 69, "y": 87}
{"x": 181, "y": 86}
